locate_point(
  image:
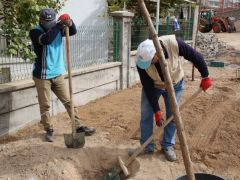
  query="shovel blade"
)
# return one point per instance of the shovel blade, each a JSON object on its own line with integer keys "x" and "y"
{"x": 74, "y": 141}
{"x": 112, "y": 175}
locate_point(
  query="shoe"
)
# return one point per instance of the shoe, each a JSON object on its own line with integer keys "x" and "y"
{"x": 169, "y": 154}
{"x": 49, "y": 135}
{"x": 144, "y": 152}
{"x": 87, "y": 130}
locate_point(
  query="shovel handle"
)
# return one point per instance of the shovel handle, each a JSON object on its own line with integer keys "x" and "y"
{"x": 194, "y": 95}
{"x": 122, "y": 165}
{"x": 69, "y": 65}
{"x": 138, "y": 151}
{"x": 181, "y": 107}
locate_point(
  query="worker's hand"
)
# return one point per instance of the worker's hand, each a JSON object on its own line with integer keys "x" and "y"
{"x": 64, "y": 17}
{"x": 206, "y": 83}
{"x": 158, "y": 118}
{"x": 65, "y": 20}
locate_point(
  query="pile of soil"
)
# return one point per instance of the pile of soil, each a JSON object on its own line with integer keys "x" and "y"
{"x": 211, "y": 122}
{"x": 237, "y": 25}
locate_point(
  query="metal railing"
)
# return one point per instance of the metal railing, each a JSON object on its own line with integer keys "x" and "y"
{"x": 12, "y": 68}
{"x": 92, "y": 45}
{"x": 89, "y": 46}
{"x": 116, "y": 35}
{"x": 140, "y": 30}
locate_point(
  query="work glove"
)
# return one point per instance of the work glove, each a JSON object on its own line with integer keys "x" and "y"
{"x": 158, "y": 118}
{"x": 206, "y": 83}
{"x": 65, "y": 20}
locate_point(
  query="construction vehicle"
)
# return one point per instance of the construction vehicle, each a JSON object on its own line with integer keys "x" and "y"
{"x": 210, "y": 21}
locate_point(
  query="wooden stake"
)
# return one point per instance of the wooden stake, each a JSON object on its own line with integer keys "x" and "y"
{"x": 171, "y": 93}
{"x": 195, "y": 30}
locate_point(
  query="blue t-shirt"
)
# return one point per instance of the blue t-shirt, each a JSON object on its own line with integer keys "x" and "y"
{"x": 48, "y": 47}
{"x": 176, "y": 25}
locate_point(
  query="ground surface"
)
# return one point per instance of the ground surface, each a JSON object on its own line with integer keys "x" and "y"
{"x": 211, "y": 122}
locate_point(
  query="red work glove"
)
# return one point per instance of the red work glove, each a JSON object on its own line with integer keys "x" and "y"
{"x": 65, "y": 20}
{"x": 206, "y": 83}
{"x": 64, "y": 17}
{"x": 158, "y": 118}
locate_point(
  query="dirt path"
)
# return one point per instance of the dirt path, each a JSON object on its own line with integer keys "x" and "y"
{"x": 231, "y": 38}
{"x": 211, "y": 122}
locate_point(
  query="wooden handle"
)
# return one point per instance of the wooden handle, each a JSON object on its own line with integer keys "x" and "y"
{"x": 160, "y": 129}
{"x": 182, "y": 106}
{"x": 195, "y": 30}
{"x": 122, "y": 165}
{"x": 69, "y": 65}
{"x": 171, "y": 93}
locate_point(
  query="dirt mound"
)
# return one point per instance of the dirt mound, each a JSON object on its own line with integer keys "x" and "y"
{"x": 214, "y": 131}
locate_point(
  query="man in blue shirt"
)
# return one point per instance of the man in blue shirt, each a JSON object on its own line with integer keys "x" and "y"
{"x": 176, "y": 26}
{"x": 152, "y": 80}
{"x": 49, "y": 66}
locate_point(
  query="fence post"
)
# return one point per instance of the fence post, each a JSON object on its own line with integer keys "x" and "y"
{"x": 123, "y": 18}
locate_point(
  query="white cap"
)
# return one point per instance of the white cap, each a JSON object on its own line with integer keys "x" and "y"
{"x": 145, "y": 54}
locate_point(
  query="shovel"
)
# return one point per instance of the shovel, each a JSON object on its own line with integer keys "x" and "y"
{"x": 114, "y": 173}
{"x": 74, "y": 140}
{"x": 138, "y": 151}
{"x": 181, "y": 107}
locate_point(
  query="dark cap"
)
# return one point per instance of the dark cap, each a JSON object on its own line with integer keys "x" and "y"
{"x": 47, "y": 14}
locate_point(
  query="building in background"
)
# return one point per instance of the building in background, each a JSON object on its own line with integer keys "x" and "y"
{"x": 221, "y": 3}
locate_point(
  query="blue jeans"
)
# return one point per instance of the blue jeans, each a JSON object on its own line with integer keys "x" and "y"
{"x": 146, "y": 123}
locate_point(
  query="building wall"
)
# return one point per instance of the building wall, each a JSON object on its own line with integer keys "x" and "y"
{"x": 86, "y": 13}
{"x": 216, "y": 3}
{"x": 213, "y": 3}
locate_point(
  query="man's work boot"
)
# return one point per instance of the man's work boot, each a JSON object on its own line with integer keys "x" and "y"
{"x": 169, "y": 154}
{"x": 49, "y": 135}
{"x": 87, "y": 130}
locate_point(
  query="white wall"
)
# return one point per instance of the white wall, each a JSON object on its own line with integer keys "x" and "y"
{"x": 87, "y": 12}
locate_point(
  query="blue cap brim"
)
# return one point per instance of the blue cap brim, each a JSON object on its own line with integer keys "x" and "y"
{"x": 143, "y": 64}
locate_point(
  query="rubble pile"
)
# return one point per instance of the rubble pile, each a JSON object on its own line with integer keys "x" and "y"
{"x": 210, "y": 46}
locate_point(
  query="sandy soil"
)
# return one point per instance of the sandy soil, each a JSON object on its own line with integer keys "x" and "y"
{"x": 231, "y": 38}
{"x": 237, "y": 25}
{"x": 211, "y": 122}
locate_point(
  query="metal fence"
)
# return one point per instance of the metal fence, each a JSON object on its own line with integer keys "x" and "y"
{"x": 116, "y": 38}
{"x": 140, "y": 30}
{"x": 12, "y": 68}
{"x": 89, "y": 46}
{"x": 92, "y": 45}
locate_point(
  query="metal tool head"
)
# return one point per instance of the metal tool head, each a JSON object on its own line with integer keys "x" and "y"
{"x": 113, "y": 174}
{"x": 74, "y": 141}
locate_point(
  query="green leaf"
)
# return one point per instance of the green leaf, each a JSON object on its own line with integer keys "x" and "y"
{"x": 19, "y": 17}
{"x": 13, "y": 51}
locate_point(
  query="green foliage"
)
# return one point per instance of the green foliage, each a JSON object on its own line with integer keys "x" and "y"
{"x": 115, "y": 5}
{"x": 132, "y": 5}
{"x": 19, "y": 17}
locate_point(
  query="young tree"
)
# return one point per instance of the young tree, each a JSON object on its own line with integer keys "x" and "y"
{"x": 19, "y": 16}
